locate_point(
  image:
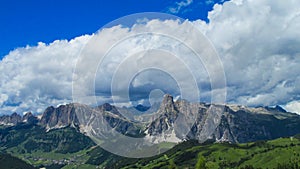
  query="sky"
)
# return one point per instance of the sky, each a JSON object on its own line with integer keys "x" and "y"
{"x": 257, "y": 42}
{"x": 32, "y": 21}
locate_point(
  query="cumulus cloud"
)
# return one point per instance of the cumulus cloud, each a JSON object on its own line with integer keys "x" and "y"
{"x": 257, "y": 41}
{"x": 179, "y": 6}
{"x": 33, "y": 78}
{"x": 293, "y": 106}
{"x": 36, "y": 77}
{"x": 146, "y": 57}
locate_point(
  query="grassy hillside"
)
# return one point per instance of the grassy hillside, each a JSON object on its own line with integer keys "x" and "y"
{"x": 38, "y": 147}
{"x": 68, "y": 148}
{"x": 9, "y": 162}
{"x": 279, "y": 153}
{"x": 30, "y": 138}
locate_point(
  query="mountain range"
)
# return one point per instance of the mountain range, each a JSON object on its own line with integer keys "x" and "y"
{"x": 63, "y": 136}
{"x": 173, "y": 121}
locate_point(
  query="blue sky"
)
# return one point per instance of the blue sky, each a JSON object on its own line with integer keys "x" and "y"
{"x": 32, "y": 21}
{"x": 257, "y": 42}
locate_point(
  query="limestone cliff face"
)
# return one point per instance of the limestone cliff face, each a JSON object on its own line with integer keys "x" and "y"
{"x": 221, "y": 123}
{"x": 14, "y": 119}
{"x": 168, "y": 114}
{"x": 61, "y": 116}
{"x": 97, "y": 121}
{"x": 10, "y": 120}
{"x": 173, "y": 121}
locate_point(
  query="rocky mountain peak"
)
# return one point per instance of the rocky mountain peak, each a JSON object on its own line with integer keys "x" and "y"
{"x": 106, "y": 107}
{"x": 168, "y": 99}
{"x": 279, "y": 108}
{"x": 167, "y": 106}
{"x": 29, "y": 118}
{"x": 15, "y": 115}
{"x": 163, "y": 126}
{"x": 231, "y": 123}
{"x": 61, "y": 116}
{"x": 12, "y": 119}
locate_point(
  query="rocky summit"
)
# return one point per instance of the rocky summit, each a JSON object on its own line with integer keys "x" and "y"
{"x": 173, "y": 121}
{"x": 10, "y": 120}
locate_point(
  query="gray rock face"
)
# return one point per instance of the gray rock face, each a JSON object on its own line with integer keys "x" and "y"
{"x": 62, "y": 116}
{"x": 174, "y": 121}
{"x": 168, "y": 114}
{"x": 223, "y": 123}
{"x": 10, "y": 120}
{"x": 100, "y": 120}
{"x": 106, "y": 107}
{"x": 29, "y": 118}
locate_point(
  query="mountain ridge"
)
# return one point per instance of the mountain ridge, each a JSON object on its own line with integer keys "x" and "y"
{"x": 200, "y": 121}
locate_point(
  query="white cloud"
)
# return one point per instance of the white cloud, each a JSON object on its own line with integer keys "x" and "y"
{"x": 137, "y": 51}
{"x": 179, "y": 6}
{"x": 39, "y": 76}
{"x": 293, "y": 106}
{"x": 257, "y": 41}
{"x": 3, "y": 98}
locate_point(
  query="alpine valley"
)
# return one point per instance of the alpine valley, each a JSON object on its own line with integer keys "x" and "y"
{"x": 220, "y": 136}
